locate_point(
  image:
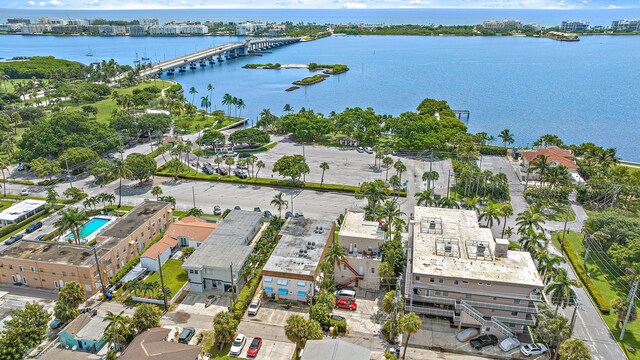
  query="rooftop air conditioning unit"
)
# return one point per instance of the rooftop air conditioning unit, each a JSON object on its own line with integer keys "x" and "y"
{"x": 432, "y": 225}
{"x": 480, "y": 249}
{"x": 313, "y": 244}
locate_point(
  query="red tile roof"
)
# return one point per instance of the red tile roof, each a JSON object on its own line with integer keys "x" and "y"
{"x": 192, "y": 227}
{"x": 554, "y": 154}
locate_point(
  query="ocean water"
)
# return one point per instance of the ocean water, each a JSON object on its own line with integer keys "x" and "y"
{"x": 583, "y": 91}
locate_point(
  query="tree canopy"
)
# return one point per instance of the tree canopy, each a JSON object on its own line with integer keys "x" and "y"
{"x": 250, "y": 136}
{"x": 292, "y": 166}
{"x": 140, "y": 167}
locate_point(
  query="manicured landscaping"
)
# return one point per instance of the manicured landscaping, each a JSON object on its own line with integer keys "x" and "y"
{"x": 173, "y": 274}
{"x": 600, "y": 285}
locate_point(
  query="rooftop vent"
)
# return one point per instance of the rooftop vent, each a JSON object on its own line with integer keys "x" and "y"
{"x": 432, "y": 225}
{"x": 302, "y": 253}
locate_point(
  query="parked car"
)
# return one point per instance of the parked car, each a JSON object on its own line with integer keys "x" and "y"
{"x": 288, "y": 214}
{"x": 345, "y": 294}
{"x": 254, "y": 347}
{"x": 207, "y": 169}
{"x": 254, "y": 306}
{"x": 238, "y": 345}
{"x": 229, "y": 154}
{"x": 533, "y": 349}
{"x": 24, "y": 191}
{"x": 346, "y": 304}
{"x": 509, "y": 344}
{"x": 267, "y": 213}
{"x": 217, "y": 210}
{"x": 466, "y": 334}
{"x": 242, "y": 166}
{"x": 240, "y": 173}
{"x": 33, "y": 227}
{"x": 186, "y": 335}
{"x": 20, "y": 166}
{"x": 483, "y": 341}
{"x": 359, "y": 149}
{"x": 222, "y": 171}
{"x": 13, "y": 239}
{"x": 257, "y": 209}
{"x": 244, "y": 155}
{"x": 39, "y": 237}
{"x": 237, "y": 207}
{"x": 55, "y": 324}
{"x": 337, "y": 317}
{"x": 368, "y": 150}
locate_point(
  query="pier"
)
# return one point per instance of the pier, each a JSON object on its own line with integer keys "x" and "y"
{"x": 462, "y": 113}
{"x": 217, "y": 54}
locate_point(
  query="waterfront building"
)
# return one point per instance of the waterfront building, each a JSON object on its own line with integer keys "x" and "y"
{"x": 555, "y": 157}
{"x": 149, "y": 22}
{"x": 66, "y": 29}
{"x": 625, "y": 25}
{"x": 574, "y": 26}
{"x": 51, "y": 21}
{"x": 79, "y": 22}
{"x": 248, "y": 28}
{"x": 194, "y": 29}
{"x": 137, "y": 30}
{"x": 361, "y": 240}
{"x": 35, "y": 29}
{"x": 293, "y": 268}
{"x": 458, "y": 271}
{"x": 21, "y": 211}
{"x": 164, "y": 30}
{"x": 10, "y": 27}
{"x": 505, "y": 24}
{"x": 223, "y": 253}
{"x": 24, "y": 21}
{"x": 50, "y": 265}
{"x": 109, "y": 30}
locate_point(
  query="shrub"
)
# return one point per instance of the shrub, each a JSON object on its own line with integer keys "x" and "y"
{"x": 339, "y": 327}
{"x": 49, "y": 182}
{"x": 8, "y": 229}
{"x": 20, "y": 182}
{"x": 245, "y": 296}
{"x": 493, "y": 150}
{"x": 576, "y": 262}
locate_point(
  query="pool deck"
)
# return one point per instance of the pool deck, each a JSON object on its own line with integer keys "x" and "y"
{"x": 111, "y": 220}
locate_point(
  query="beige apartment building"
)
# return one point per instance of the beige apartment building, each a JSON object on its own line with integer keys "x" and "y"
{"x": 361, "y": 240}
{"x": 50, "y": 265}
{"x": 457, "y": 270}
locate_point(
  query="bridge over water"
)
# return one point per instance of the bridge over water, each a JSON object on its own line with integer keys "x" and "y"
{"x": 217, "y": 54}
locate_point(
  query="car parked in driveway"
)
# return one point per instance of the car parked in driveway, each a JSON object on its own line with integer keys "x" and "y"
{"x": 237, "y": 345}
{"x": 346, "y": 304}
{"x": 483, "y": 341}
{"x": 244, "y": 155}
{"x": 229, "y": 154}
{"x": 186, "y": 335}
{"x": 345, "y": 294}
{"x": 509, "y": 344}
{"x": 217, "y": 210}
{"x": 33, "y": 227}
{"x": 466, "y": 334}
{"x": 254, "y": 347}
{"x": 359, "y": 149}
{"x": 254, "y": 306}
{"x": 368, "y": 150}
{"x": 533, "y": 349}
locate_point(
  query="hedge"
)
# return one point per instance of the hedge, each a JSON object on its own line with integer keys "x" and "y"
{"x": 133, "y": 262}
{"x": 20, "y": 197}
{"x": 19, "y": 182}
{"x": 245, "y": 296}
{"x": 576, "y": 263}
{"x": 49, "y": 182}
{"x": 8, "y": 229}
{"x": 493, "y": 150}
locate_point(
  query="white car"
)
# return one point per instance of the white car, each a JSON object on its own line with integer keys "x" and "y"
{"x": 509, "y": 344}
{"x": 467, "y": 334}
{"x": 238, "y": 345}
{"x": 24, "y": 192}
{"x": 368, "y": 150}
{"x": 533, "y": 349}
{"x": 254, "y": 306}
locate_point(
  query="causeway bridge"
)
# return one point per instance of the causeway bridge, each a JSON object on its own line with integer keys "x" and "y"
{"x": 217, "y": 54}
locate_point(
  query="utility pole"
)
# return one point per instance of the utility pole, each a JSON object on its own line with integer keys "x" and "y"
{"x": 193, "y": 191}
{"x": 68, "y": 172}
{"x": 233, "y": 293}
{"x": 631, "y": 302}
{"x": 164, "y": 293}
{"x": 577, "y": 306}
{"x": 430, "y": 170}
{"x": 95, "y": 256}
{"x": 448, "y": 182}
{"x": 564, "y": 230}
{"x": 588, "y": 248}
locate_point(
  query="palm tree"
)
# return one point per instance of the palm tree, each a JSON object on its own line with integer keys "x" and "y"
{"x": 335, "y": 255}
{"x": 205, "y": 103}
{"x": 118, "y": 330}
{"x": 506, "y": 137}
{"x": 491, "y": 139}
{"x": 490, "y": 213}
{"x": 447, "y": 202}
{"x": 4, "y": 78}
{"x": 620, "y": 306}
{"x": 508, "y": 232}
{"x": 506, "y": 210}
{"x": 198, "y": 153}
{"x": 533, "y": 242}
{"x": 278, "y": 201}
{"x": 430, "y": 176}
{"x": 4, "y": 165}
{"x": 210, "y": 89}
{"x": 240, "y": 105}
{"x": 547, "y": 265}
{"x": 373, "y": 191}
{"x": 529, "y": 219}
{"x": 425, "y": 197}
{"x": 120, "y": 170}
{"x": 287, "y": 108}
{"x": 71, "y": 219}
{"x": 227, "y": 99}
{"x": 400, "y": 168}
{"x": 146, "y": 316}
{"x": 541, "y": 163}
{"x": 193, "y": 93}
{"x": 561, "y": 289}
{"x": 389, "y": 211}
{"x": 410, "y": 323}
{"x": 387, "y": 161}
{"x": 574, "y": 349}
{"x": 229, "y": 161}
{"x": 259, "y": 164}
{"x": 471, "y": 203}
{"x": 156, "y": 191}
{"x": 324, "y": 166}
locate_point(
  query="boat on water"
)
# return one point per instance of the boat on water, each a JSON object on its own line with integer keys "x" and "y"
{"x": 89, "y": 53}
{"x": 145, "y": 57}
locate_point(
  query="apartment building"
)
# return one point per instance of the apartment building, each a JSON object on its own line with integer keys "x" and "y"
{"x": 293, "y": 268}
{"x": 248, "y": 28}
{"x": 574, "y": 26}
{"x": 361, "y": 240}
{"x": 625, "y": 25}
{"x": 505, "y": 24}
{"x": 137, "y": 30}
{"x": 50, "y": 265}
{"x": 194, "y": 29}
{"x": 223, "y": 253}
{"x": 66, "y": 29}
{"x": 35, "y": 29}
{"x": 164, "y": 30}
{"x": 457, "y": 270}
{"x": 109, "y": 30}
{"x": 19, "y": 21}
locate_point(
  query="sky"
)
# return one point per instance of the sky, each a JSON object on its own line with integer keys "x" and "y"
{"x": 318, "y": 4}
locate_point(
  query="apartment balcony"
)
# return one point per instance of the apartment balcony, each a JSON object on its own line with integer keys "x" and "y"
{"x": 365, "y": 255}
{"x": 506, "y": 307}
{"x": 511, "y": 320}
{"x": 433, "y": 299}
{"x": 430, "y": 311}
{"x": 472, "y": 291}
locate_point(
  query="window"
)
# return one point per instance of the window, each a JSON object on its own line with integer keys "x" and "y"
{"x": 488, "y": 284}
{"x": 445, "y": 293}
{"x": 64, "y": 273}
{"x": 53, "y": 273}
{"x": 10, "y": 267}
{"x": 108, "y": 262}
{"x": 373, "y": 270}
{"x": 438, "y": 293}
{"x": 432, "y": 280}
{"x": 441, "y": 280}
{"x": 33, "y": 269}
{"x": 302, "y": 283}
{"x": 465, "y": 282}
{"x": 512, "y": 325}
{"x": 35, "y": 279}
{"x": 283, "y": 292}
{"x": 302, "y": 293}
{"x": 516, "y": 301}
{"x": 20, "y": 268}
{"x": 85, "y": 276}
{"x": 417, "y": 278}
{"x": 282, "y": 282}
{"x": 455, "y": 282}
{"x": 480, "y": 283}
{"x": 43, "y": 280}
{"x": 87, "y": 287}
{"x": 344, "y": 267}
{"x": 73, "y": 274}
{"x": 514, "y": 313}
{"x": 268, "y": 290}
{"x": 467, "y": 296}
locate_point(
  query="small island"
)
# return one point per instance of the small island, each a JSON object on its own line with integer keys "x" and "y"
{"x": 333, "y": 69}
{"x": 263, "y": 66}
{"x": 310, "y": 80}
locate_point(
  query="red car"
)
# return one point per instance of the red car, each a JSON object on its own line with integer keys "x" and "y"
{"x": 346, "y": 304}
{"x": 256, "y": 343}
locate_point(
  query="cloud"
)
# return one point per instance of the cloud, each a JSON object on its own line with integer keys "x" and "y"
{"x": 42, "y": 3}
{"x": 31, "y": 3}
{"x": 351, "y": 5}
{"x": 56, "y": 3}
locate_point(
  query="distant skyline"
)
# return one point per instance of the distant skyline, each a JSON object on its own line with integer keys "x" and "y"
{"x": 318, "y": 4}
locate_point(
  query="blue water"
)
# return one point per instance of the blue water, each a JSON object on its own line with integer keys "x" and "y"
{"x": 369, "y": 16}
{"x": 584, "y": 91}
{"x": 91, "y": 227}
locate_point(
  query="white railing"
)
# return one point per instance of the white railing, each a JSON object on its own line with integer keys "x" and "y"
{"x": 430, "y": 311}
{"x": 498, "y": 306}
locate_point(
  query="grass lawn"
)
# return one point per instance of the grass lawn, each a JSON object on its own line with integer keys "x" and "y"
{"x": 561, "y": 214}
{"x": 599, "y": 274}
{"x": 173, "y": 273}
{"x": 5, "y": 204}
{"x": 10, "y": 84}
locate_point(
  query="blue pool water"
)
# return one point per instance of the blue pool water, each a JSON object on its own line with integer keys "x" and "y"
{"x": 91, "y": 227}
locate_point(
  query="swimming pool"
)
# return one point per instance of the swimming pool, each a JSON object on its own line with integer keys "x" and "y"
{"x": 91, "y": 227}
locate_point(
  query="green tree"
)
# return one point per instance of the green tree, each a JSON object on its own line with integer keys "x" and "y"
{"x": 386, "y": 273}
{"x": 292, "y": 166}
{"x": 506, "y": 210}
{"x": 229, "y": 161}
{"x": 198, "y": 153}
{"x": 156, "y": 191}
{"x": 52, "y": 196}
{"x": 530, "y": 219}
{"x": 119, "y": 329}
{"x": 146, "y": 316}
{"x": 24, "y": 331}
{"x": 387, "y": 161}
{"x": 90, "y": 110}
{"x": 374, "y": 191}
{"x": 71, "y": 219}
{"x": 298, "y": 330}
{"x": 72, "y": 294}
{"x": 279, "y": 202}
{"x": 430, "y": 176}
{"x": 410, "y": 323}
{"x": 506, "y": 136}
{"x": 287, "y": 108}
{"x": 425, "y": 198}
{"x": 561, "y": 289}
{"x": 250, "y": 136}
{"x": 548, "y": 140}
{"x": 490, "y": 214}
{"x": 319, "y": 312}
{"x": 224, "y": 326}
{"x": 389, "y": 211}
{"x": 77, "y": 157}
{"x": 43, "y": 167}
{"x": 335, "y": 255}
{"x": 324, "y": 166}
{"x": 195, "y": 212}
{"x": 120, "y": 170}
{"x": 400, "y": 168}
{"x": 621, "y": 306}
{"x": 574, "y": 349}
{"x": 259, "y": 164}
{"x": 140, "y": 167}
{"x": 193, "y": 93}
{"x": 74, "y": 193}
{"x": 64, "y": 312}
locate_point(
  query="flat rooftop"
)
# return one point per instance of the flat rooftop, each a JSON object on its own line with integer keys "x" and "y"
{"x": 18, "y": 209}
{"x": 49, "y": 252}
{"x": 354, "y": 225}
{"x": 450, "y": 243}
{"x": 228, "y": 243}
{"x": 301, "y": 246}
{"x": 135, "y": 218}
